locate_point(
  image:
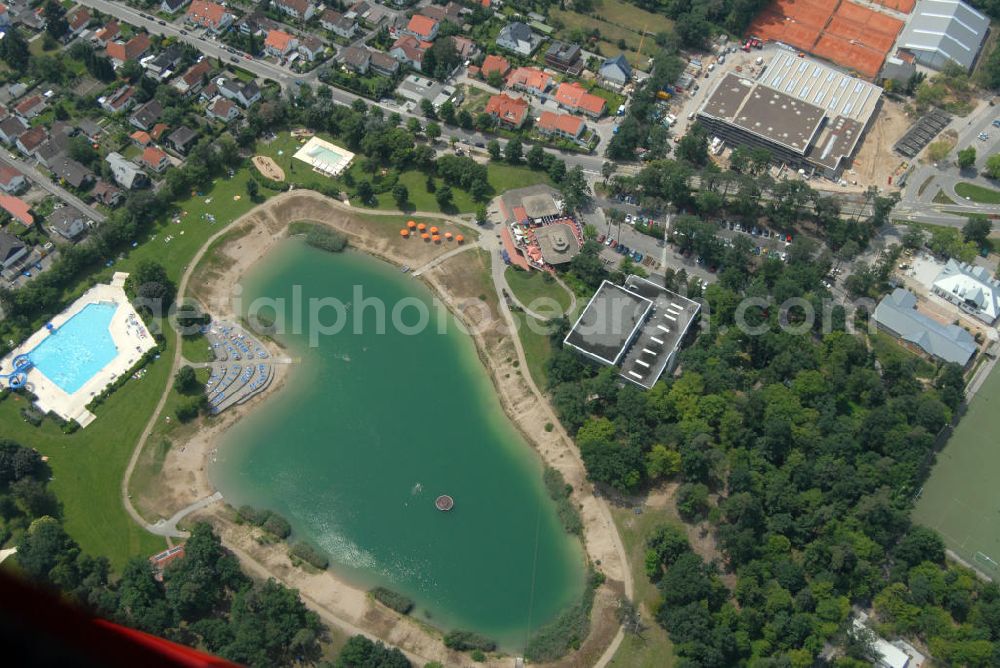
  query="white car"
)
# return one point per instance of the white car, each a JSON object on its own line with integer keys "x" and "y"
{"x": 983, "y": 136}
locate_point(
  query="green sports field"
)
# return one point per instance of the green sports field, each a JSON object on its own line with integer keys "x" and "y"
{"x": 961, "y": 499}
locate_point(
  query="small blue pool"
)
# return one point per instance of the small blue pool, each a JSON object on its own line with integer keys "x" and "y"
{"x": 79, "y": 349}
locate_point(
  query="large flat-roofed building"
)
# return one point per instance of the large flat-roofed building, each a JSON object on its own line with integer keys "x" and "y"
{"x": 943, "y": 31}
{"x": 971, "y": 288}
{"x": 807, "y": 114}
{"x": 638, "y": 327}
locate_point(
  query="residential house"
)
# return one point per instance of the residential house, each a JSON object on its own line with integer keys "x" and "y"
{"x": 55, "y": 147}
{"x": 465, "y": 47}
{"x": 30, "y": 17}
{"x": 519, "y": 38}
{"x": 18, "y": 208}
{"x": 158, "y": 131}
{"x": 357, "y": 59}
{"x": 145, "y": 116}
{"x": 182, "y": 139}
{"x": 423, "y": 28}
{"x": 32, "y": 139}
{"x": 451, "y": 12}
{"x": 370, "y": 13}
{"x": 141, "y": 138}
{"x": 5, "y": 18}
{"x": 172, "y": 6}
{"x": 408, "y": 50}
{"x": 566, "y": 126}
{"x": 530, "y": 80}
{"x": 615, "y": 72}
{"x": 11, "y": 128}
{"x": 508, "y": 111}
{"x": 91, "y": 130}
{"x": 30, "y": 106}
{"x": 121, "y": 100}
{"x": 302, "y": 10}
{"x": 155, "y": 159}
{"x": 417, "y": 89}
{"x": 68, "y": 222}
{"x": 311, "y": 47}
{"x": 896, "y": 314}
{"x": 12, "y": 181}
{"x": 564, "y": 57}
{"x": 279, "y": 43}
{"x": 77, "y": 20}
{"x": 574, "y": 97}
{"x": 108, "y": 33}
{"x": 208, "y": 15}
{"x": 163, "y": 64}
{"x": 223, "y": 110}
{"x": 72, "y": 172}
{"x": 338, "y": 24}
{"x": 192, "y": 80}
{"x": 11, "y": 250}
{"x": 384, "y": 64}
{"x": 256, "y": 23}
{"x": 493, "y": 63}
{"x": 119, "y": 52}
{"x": 126, "y": 173}
{"x": 233, "y": 89}
{"x": 106, "y": 193}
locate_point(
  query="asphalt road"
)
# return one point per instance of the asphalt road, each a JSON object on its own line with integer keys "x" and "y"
{"x": 287, "y": 79}
{"x": 46, "y": 184}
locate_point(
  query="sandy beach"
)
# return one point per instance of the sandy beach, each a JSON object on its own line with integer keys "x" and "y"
{"x": 184, "y": 477}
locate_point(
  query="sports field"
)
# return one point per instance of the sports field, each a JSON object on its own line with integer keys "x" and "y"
{"x": 961, "y": 499}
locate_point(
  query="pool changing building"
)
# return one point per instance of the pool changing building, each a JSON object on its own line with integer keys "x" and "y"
{"x": 637, "y": 327}
{"x": 808, "y": 115}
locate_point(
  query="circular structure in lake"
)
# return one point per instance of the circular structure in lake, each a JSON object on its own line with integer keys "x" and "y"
{"x": 444, "y": 502}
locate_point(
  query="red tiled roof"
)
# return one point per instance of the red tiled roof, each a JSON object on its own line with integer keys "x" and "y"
{"x": 129, "y": 50}
{"x": 494, "y": 63}
{"x": 28, "y": 103}
{"x": 158, "y": 130}
{"x": 78, "y": 18}
{"x": 196, "y": 72}
{"x": 567, "y": 123}
{"x": 421, "y": 25}
{"x": 507, "y": 109}
{"x": 18, "y": 208}
{"x": 221, "y": 107}
{"x": 529, "y": 77}
{"x": 8, "y": 174}
{"x": 206, "y": 13}
{"x": 110, "y": 31}
{"x": 278, "y": 39}
{"x": 411, "y": 47}
{"x": 153, "y": 156}
{"x": 575, "y": 96}
{"x": 141, "y": 137}
{"x": 33, "y": 138}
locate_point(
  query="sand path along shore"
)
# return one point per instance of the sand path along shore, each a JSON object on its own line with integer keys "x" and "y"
{"x": 183, "y": 478}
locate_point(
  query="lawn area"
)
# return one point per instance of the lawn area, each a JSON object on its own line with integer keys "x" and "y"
{"x": 886, "y": 349}
{"x": 501, "y": 177}
{"x": 941, "y": 198}
{"x": 529, "y": 286}
{"x": 653, "y": 649}
{"x": 537, "y": 347}
{"x": 978, "y": 193}
{"x": 87, "y": 467}
{"x": 618, "y": 20}
{"x": 961, "y": 495}
{"x": 196, "y": 349}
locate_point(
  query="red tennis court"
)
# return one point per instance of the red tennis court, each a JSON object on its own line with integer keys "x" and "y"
{"x": 842, "y": 32}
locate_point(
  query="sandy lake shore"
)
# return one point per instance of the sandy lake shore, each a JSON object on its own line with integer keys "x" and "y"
{"x": 184, "y": 478}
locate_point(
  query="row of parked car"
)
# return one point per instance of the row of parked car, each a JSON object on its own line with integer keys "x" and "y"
{"x": 621, "y": 249}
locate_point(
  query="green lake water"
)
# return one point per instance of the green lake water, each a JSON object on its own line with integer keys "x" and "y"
{"x": 371, "y": 429}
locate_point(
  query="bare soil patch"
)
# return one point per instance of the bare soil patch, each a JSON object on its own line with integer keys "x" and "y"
{"x": 269, "y": 168}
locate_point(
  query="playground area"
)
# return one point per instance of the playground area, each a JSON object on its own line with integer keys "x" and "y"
{"x": 961, "y": 499}
{"x": 81, "y": 351}
{"x": 850, "y": 35}
{"x": 268, "y": 168}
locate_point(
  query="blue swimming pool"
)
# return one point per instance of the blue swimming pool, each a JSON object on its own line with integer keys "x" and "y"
{"x": 79, "y": 349}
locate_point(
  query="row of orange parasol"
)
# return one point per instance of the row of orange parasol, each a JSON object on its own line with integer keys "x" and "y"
{"x": 428, "y": 234}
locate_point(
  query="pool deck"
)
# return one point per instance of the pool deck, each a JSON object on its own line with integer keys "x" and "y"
{"x": 315, "y": 144}
{"x": 128, "y": 333}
